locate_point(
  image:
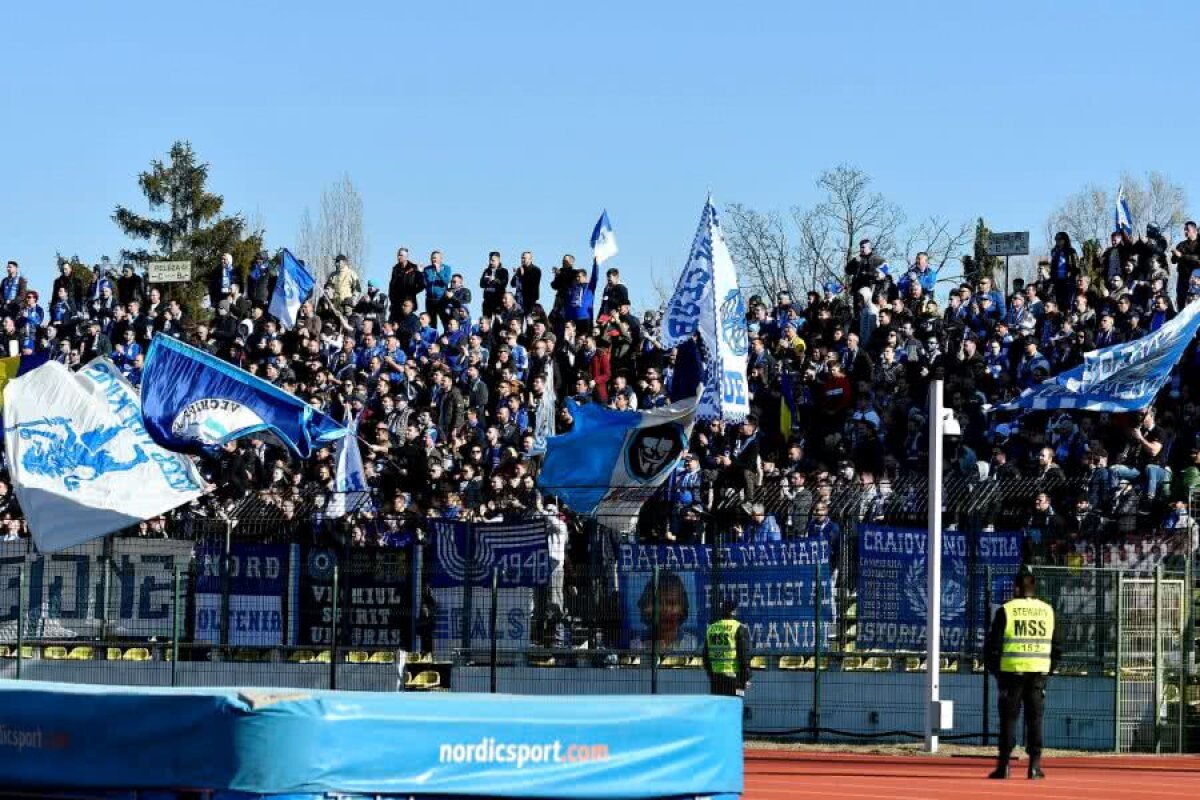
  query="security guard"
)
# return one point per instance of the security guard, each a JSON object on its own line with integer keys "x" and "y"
{"x": 727, "y": 653}
{"x": 1022, "y": 650}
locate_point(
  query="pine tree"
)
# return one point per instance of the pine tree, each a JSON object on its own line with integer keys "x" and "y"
{"x": 193, "y": 227}
{"x": 980, "y": 265}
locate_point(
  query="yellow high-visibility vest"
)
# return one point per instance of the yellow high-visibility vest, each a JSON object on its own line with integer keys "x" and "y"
{"x": 721, "y": 638}
{"x": 1028, "y": 635}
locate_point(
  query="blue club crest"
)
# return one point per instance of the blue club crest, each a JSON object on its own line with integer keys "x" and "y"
{"x": 55, "y": 450}
{"x": 733, "y": 323}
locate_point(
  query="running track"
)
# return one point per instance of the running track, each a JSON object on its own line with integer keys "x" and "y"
{"x": 781, "y": 775}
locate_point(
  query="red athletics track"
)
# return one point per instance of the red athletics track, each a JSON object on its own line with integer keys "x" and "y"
{"x": 784, "y": 775}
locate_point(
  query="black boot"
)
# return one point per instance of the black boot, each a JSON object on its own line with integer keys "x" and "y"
{"x": 1000, "y": 772}
{"x": 1035, "y": 768}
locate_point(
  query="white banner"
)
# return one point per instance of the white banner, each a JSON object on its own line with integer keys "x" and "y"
{"x": 81, "y": 461}
{"x": 708, "y": 300}
{"x": 80, "y": 594}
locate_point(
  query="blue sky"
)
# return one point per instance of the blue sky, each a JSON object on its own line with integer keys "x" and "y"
{"x": 477, "y": 126}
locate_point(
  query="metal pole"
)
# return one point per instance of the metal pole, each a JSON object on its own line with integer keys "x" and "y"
{"x": 333, "y": 630}
{"x": 1158, "y": 679}
{"x": 176, "y": 618}
{"x": 22, "y": 602}
{"x": 1117, "y": 671}
{"x": 987, "y": 679}
{"x": 815, "y": 713}
{"x": 493, "y": 621}
{"x": 468, "y": 584}
{"x": 933, "y": 568}
{"x": 654, "y": 635}
{"x": 226, "y": 570}
{"x": 1185, "y": 656}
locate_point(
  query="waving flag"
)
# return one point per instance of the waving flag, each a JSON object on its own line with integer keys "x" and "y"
{"x": 294, "y": 286}
{"x": 1123, "y": 377}
{"x": 610, "y": 452}
{"x": 1122, "y": 219}
{"x": 604, "y": 247}
{"x": 81, "y": 461}
{"x": 350, "y": 484}
{"x": 194, "y": 401}
{"x": 707, "y": 301}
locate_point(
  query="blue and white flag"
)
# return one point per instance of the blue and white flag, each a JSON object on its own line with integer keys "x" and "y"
{"x": 350, "y": 484}
{"x": 82, "y": 463}
{"x": 604, "y": 247}
{"x": 1124, "y": 377}
{"x": 610, "y": 452}
{"x": 1122, "y": 219}
{"x": 294, "y": 286}
{"x": 708, "y": 301}
{"x": 194, "y": 401}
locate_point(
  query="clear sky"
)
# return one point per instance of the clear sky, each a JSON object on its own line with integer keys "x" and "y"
{"x": 476, "y": 126}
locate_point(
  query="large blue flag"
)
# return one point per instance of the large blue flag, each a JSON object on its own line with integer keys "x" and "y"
{"x": 294, "y": 286}
{"x": 609, "y": 452}
{"x": 194, "y": 401}
{"x": 1124, "y": 377}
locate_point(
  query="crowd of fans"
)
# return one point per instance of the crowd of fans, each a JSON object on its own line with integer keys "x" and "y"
{"x": 447, "y": 398}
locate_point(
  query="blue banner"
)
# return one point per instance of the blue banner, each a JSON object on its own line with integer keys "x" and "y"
{"x": 258, "y": 579}
{"x": 1123, "y": 377}
{"x": 194, "y": 401}
{"x": 775, "y": 586}
{"x": 892, "y": 591}
{"x": 276, "y": 742}
{"x": 518, "y": 550}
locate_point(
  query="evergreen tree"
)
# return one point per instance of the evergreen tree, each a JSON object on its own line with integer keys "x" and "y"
{"x": 980, "y": 264}
{"x": 193, "y": 227}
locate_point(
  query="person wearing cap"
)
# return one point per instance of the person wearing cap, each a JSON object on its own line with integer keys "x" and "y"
{"x": 1022, "y": 649}
{"x": 727, "y": 652}
{"x": 343, "y": 284}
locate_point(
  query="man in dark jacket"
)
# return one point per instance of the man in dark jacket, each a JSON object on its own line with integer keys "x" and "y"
{"x": 616, "y": 294}
{"x": 129, "y": 286}
{"x": 1187, "y": 255}
{"x": 73, "y": 285}
{"x": 494, "y": 283}
{"x": 863, "y": 269}
{"x": 406, "y": 283}
{"x": 527, "y": 282}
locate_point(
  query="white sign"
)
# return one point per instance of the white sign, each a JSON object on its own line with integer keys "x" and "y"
{"x": 170, "y": 271}
{"x": 1013, "y": 243}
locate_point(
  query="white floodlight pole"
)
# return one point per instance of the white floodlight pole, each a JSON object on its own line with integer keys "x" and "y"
{"x": 933, "y": 567}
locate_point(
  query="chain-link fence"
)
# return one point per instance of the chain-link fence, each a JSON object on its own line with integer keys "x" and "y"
{"x": 549, "y": 604}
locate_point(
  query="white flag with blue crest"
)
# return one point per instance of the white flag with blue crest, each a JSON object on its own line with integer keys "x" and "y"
{"x": 293, "y": 288}
{"x": 1122, "y": 219}
{"x": 81, "y": 461}
{"x": 708, "y": 301}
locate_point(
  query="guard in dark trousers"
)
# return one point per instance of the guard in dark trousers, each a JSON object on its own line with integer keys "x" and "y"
{"x": 1022, "y": 651}
{"x": 727, "y": 654}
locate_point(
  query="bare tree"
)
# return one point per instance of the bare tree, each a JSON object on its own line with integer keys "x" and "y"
{"x": 338, "y": 231}
{"x": 1088, "y": 214}
{"x": 827, "y": 235}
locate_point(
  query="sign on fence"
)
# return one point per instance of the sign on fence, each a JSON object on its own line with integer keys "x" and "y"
{"x": 259, "y": 575}
{"x": 892, "y": 591}
{"x": 169, "y": 271}
{"x": 375, "y": 589}
{"x": 519, "y": 551}
{"x": 774, "y": 585}
{"x": 1011, "y": 243}
{"x": 76, "y": 594}
{"x": 514, "y": 620}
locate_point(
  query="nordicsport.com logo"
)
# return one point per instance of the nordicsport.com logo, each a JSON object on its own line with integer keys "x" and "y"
{"x": 31, "y": 739}
{"x": 490, "y": 751}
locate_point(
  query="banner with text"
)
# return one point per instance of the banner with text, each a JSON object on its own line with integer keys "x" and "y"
{"x": 892, "y": 591}
{"x": 774, "y": 585}
{"x": 259, "y": 575}
{"x": 375, "y": 597}
{"x": 519, "y": 550}
{"x": 77, "y": 594}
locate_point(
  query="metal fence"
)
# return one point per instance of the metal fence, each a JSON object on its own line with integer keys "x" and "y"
{"x": 285, "y": 597}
